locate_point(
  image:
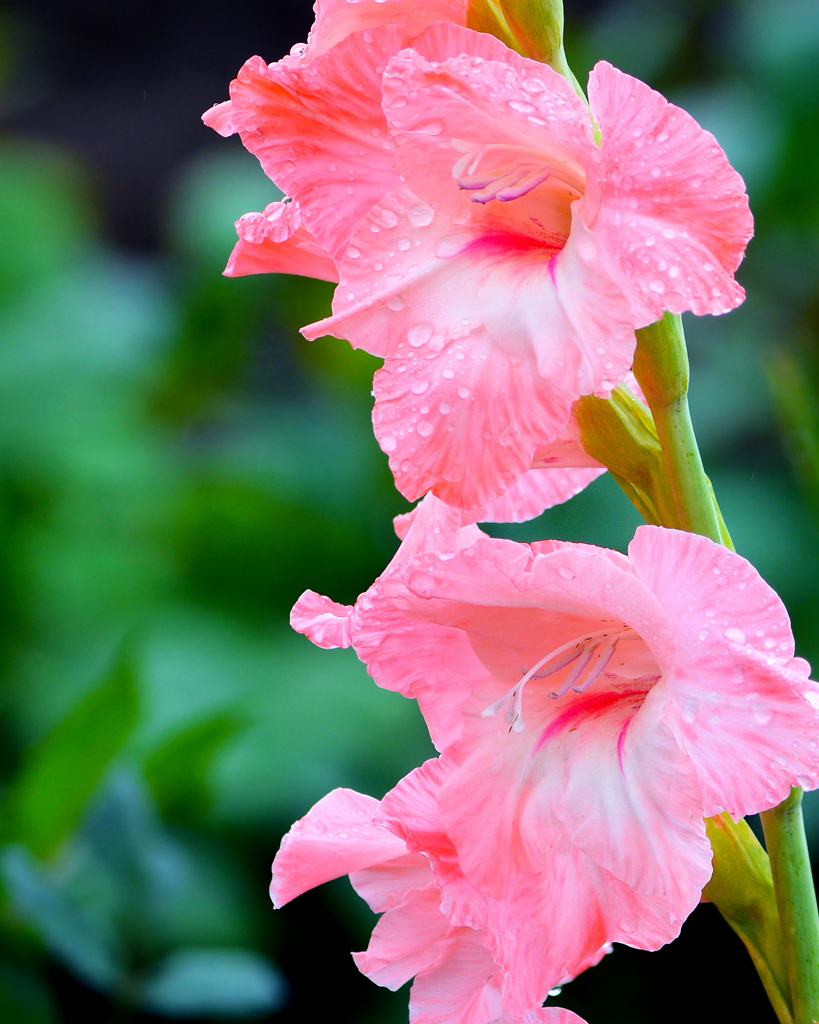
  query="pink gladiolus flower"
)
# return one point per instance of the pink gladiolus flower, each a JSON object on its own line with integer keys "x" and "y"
{"x": 596, "y": 708}
{"x": 456, "y": 979}
{"x": 506, "y": 277}
{"x": 425, "y": 901}
{"x": 489, "y": 249}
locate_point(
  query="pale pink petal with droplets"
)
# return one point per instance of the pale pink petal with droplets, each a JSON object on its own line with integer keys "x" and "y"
{"x": 536, "y": 491}
{"x": 673, "y": 213}
{"x": 336, "y": 19}
{"x": 319, "y": 131}
{"x": 276, "y": 242}
{"x": 335, "y": 837}
{"x": 739, "y": 704}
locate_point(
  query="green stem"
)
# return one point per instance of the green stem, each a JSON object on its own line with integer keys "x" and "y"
{"x": 661, "y": 368}
{"x": 795, "y": 896}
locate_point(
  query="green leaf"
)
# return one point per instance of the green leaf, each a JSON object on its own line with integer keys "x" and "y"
{"x": 62, "y": 925}
{"x": 60, "y": 774}
{"x": 178, "y": 771}
{"x": 214, "y": 983}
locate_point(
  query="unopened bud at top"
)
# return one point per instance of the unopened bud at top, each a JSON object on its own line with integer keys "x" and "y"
{"x": 532, "y": 27}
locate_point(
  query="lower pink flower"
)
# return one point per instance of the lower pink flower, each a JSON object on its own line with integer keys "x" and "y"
{"x": 456, "y": 979}
{"x": 435, "y": 928}
{"x": 593, "y": 708}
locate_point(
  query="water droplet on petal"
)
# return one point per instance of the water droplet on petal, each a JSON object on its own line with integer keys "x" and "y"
{"x": 735, "y": 634}
{"x": 419, "y": 334}
{"x": 396, "y": 303}
{"x": 389, "y": 443}
{"x": 418, "y": 387}
{"x": 420, "y": 215}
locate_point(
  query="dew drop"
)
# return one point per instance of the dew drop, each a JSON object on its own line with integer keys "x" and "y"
{"x": 425, "y": 428}
{"x": 463, "y": 392}
{"x": 404, "y": 244}
{"x": 418, "y": 387}
{"x": 396, "y": 303}
{"x": 451, "y": 245}
{"x": 353, "y": 253}
{"x": 419, "y": 334}
{"x": 389, "y": 443}
{"x": 735, "y": 635}
{"x": 420, "y": 215}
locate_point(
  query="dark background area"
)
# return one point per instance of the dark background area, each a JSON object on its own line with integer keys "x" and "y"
{"x": 177, "y": 465}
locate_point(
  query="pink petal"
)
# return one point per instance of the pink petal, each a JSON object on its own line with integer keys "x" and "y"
{"x": 324, "y": 621}
{"x": 337, "y": 19}
{"x": 632, "y": 802}
{"x": 276, "y": 242}
{"x": 521, "y": 931}
{"x": 463, "y": 422}
{"x": 220, "y": 118}
{"x": 407, "y": 939}
{"x": 335, "y": 837}
{"x": 673, "y": 215}
{"x": 319, "y": 131}
{"x": 385, "y": 885}
{"x": 431, "y": 663}
{"x": 464, "y": 988}
{"x": 740, "y": 704}
{"x": 545, "y": 1015}
{"x": 536, "y": 491}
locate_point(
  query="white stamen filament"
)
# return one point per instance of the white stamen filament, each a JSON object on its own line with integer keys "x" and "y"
{"x": 517, "y": 171}
{"x": 581, "y": 650}
{"x": 576, "y": 672}
{"x": 598, "y": 669}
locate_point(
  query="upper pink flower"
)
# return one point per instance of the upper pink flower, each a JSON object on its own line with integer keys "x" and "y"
{"x": 506, "y": 276}
{"x": 489, "y": 249}
{"x": 424, "y": 900}
{"x": 596, "y": 708}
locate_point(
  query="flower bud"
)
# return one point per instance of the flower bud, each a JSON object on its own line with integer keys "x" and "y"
{"x": 532, "y": 27}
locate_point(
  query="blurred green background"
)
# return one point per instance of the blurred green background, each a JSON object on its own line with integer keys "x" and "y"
{"x": 177, "y": 465}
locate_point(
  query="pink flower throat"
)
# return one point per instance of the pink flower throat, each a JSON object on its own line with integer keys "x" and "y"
{"x": 591, "y": 654}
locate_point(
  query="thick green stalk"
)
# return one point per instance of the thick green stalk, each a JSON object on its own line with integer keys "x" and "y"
{"x": 796, "y": 899}
{"x": 661, "y": 368}
{"x": 741, "y": 887}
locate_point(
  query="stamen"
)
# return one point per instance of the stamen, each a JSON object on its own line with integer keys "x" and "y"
{"x": 575, "y": 673}
{"x": 598, "y": 668}
{"x": 581, "y": 649}
{"x": 508, "y": 172}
